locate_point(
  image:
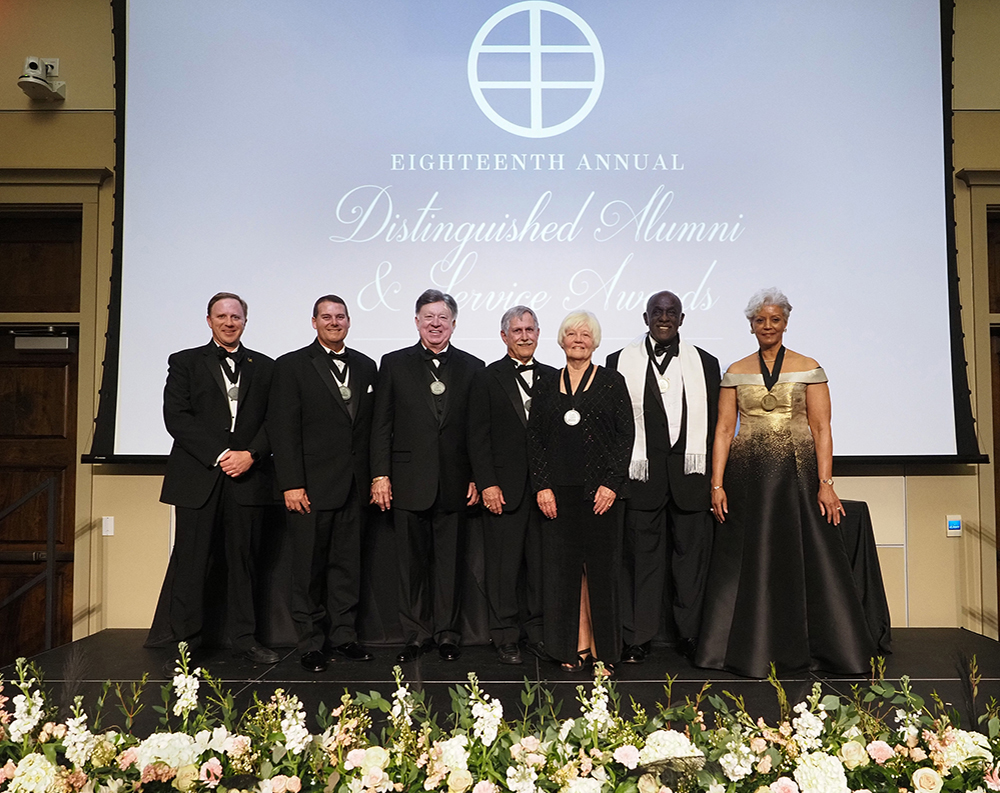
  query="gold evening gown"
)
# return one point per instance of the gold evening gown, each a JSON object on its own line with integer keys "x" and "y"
{"x": 780, "y": 584}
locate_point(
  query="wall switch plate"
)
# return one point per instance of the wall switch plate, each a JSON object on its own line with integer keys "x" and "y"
{"x": 954, "y": 525}
{"x": 108, "y": 526}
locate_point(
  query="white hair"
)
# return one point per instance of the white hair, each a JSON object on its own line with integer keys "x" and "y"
{"x": 576, "y": 320}
{"x": 772, "y": 296}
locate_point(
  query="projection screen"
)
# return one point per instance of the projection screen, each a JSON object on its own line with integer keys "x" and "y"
{"x": 579, "y": 155}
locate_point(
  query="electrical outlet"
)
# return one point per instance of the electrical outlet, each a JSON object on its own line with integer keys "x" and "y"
{"x": 108, "y": 526}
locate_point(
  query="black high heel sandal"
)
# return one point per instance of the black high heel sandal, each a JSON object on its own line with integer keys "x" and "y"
{"x": 583, "y": 657}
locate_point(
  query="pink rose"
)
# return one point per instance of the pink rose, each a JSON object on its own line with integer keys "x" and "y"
{"x": 757, "y": 745}
{"x": 784, "y": 785}
{"x": 211, "y": 772}
{"x": 279, "y": 784}
{"x": 294, "y": 784}
{"x": 918, "y": 755}
{"x": 128, "y": 758}
{"x": 627, "y": 755}
{"x": 880, "y": 751}
{"x": 764, "y": 766}
{"x": 355, "y": 759}
{"x": 485, "y": 787}
{"x": 531, "y": 743}
{"x": 8, "y": 771}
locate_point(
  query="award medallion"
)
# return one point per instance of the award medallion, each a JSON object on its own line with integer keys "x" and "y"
{"x": 437, "y": 388}
{"x": 572, "y": 417}
{"x": 527, "y": 404}
{"x": 345, "y": 392}
{"x": 769, "y": 402}
{"x": 233, "y": 392}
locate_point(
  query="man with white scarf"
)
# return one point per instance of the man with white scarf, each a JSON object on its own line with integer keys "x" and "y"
{"x": 674, "y": 387}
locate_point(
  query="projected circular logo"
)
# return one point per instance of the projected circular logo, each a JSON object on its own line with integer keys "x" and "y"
{"x": 536, "y": 69}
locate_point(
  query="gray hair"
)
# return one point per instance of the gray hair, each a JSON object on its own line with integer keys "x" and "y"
{"x": 437, "y": 296}
{"x": 772, "y": 296}
{"x": 516, "y": 313}
{"x": 575, "y": 320}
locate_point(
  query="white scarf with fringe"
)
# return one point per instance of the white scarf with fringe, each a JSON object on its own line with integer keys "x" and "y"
{"x": 632, "y": 364}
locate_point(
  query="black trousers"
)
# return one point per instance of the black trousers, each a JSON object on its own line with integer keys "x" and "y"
{"x": 326, "y": 573}
{"x": 182, "y": 603}
{"x": 667, "y": 553}
{"x": 513, "y": 548}
{"x": 428, "y": 548}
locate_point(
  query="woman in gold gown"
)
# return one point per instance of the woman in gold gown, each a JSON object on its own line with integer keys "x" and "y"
{"x": 780, "y": 584}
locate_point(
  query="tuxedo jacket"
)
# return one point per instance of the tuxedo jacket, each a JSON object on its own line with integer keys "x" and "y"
{"x": 426, "y": 458}
{"x": 196, "y": 412}
{"x": 317, "y": 444}
{"x": 498, "y": 439}
{"x": 690, "y": 492}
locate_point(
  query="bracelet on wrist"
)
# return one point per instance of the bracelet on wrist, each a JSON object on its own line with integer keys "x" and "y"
{"x": 717, "y": 487}
{"x": 826, "y": 482}
{"x": 378, "y": 478}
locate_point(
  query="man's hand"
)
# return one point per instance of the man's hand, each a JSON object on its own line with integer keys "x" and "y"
{"x": 472, "y": 494}
{"x": 297, "y": 501}
{"x": 382, "y": 492}
{"x": 493, "y": 499}
{"x": 235, "y": 464}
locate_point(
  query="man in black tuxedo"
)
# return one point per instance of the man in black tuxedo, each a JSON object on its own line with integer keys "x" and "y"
{"x": 218, "y": 479}
{"x": 319, "y": 422}
{"x": 668, "y": 530}
{"x": 498, "y": 421}
{"x": 420, "y": 465}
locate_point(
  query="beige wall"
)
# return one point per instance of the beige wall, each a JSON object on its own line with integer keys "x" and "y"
{"x": 931, "y": 580}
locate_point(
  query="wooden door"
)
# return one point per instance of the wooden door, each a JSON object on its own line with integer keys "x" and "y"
{"x": 39, "y": 271}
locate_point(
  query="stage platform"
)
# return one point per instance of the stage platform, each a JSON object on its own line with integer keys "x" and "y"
{"x": 935, "y": 659}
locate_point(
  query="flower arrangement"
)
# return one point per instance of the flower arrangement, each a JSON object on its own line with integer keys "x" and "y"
{"x": 881, "y": 738}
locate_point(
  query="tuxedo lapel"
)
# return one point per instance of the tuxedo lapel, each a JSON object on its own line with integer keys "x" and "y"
{"x": 653, "y": 390}
{"x": 215, "y": 368}
{"x": 508, "y": 381}
{"x": 320, "y": 362}
{"x": 418, "y": 373}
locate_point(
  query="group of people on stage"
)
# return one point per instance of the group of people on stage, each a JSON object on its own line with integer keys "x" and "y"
{"x": 618, "y": 499}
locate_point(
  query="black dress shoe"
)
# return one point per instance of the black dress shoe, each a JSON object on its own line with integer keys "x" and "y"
{"x": 633, "y": 654}
{"x": 687, "y": 648}
{"x": 313, "y": 661}
{"x": 410, "y": 653}
{"x": 538, "y": 650}
{"x": 260, "y": 655}
{"x": 449, "y": 651}
{"x": 352, "y": 651}
{"x": 507, "y": 654}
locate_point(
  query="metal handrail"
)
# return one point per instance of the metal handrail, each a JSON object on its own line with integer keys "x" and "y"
{"x": 49, "y": 576}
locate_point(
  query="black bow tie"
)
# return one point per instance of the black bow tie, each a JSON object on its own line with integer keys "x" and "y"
{"x": 523, "y": 367}
{"x": 338, "y": 356}
{"x": 430, "y": 356}
{"x": 235, "y": 356}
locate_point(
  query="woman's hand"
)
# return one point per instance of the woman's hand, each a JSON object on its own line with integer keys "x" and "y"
{"x": 720, "y": 506}
{"x": 829, "y": 505}
{"x": 603, "y": 499}
{"x": 547, "y": 503}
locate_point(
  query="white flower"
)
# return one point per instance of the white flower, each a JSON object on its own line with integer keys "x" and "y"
{"x": 293, "y": 725}
{"x": 664, "y": 744}
{"x": 401, "y": 705}
{"x": 186, "y": 691}
{"x": 927, "y": 780}
{"x": 564, "y": 730}
{"x": 176, "y": 749}
{"x": 27, "y": 714}
{"x": 963, "y": 747}
{"x": 737, "y": 763}
{"x": 214, "y": 741}
{"x": 817, "y": 772}
{"x": 582, "y": 784}
{"x": 627, "y": 755}
{"x": 35, "y": 774}
{"x": 521, "y": 779}
{"x": 808, "y": 727}
{"x": 454, "y": 754}
{"x": 79, "y": 741}
{"x": 716, "y": 787}
{"x": 488, "y": 716}
{"x": 595, "y": 709}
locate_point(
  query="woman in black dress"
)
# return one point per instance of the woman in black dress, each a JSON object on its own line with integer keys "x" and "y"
{"x": 580, "y": 440}
{"x": 780, "y": 580}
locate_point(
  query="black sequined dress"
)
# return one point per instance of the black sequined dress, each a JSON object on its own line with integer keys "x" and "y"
{"x": 574, "y": 462}
{"x": 780, "y": 585}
